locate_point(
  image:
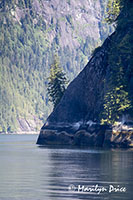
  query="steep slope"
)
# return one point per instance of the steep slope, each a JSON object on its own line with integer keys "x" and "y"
{"x": 31, "y": 32}
{"x": 85, "y": 92}
{"x": 102, "y": 92}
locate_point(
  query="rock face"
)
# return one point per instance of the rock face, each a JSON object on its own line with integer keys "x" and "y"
{"x": 84, "y": 93}
{"x": 72, "y": 20}
{"x": 72, "y": 121}
{"x": 28, "y": 126}
{"x": 76, "y": 119}
{"x": 84, "y": 136}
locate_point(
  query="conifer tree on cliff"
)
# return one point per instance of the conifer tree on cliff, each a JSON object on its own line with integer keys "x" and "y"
{"x": 56, "y": 82}
{"x": 117, "y": 97}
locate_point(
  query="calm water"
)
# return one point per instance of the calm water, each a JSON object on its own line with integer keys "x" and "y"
{"x": 30, "y": 172}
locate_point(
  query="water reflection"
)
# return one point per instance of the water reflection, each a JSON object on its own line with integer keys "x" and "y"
{"x": 29, "y": 172}
{"x": 88, "y": 168}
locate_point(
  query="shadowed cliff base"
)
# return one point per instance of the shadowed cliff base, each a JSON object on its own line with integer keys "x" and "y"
{"x": 91, "y": 135}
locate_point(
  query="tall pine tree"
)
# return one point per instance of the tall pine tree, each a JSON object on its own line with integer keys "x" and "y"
{"x": 56, "y": 82}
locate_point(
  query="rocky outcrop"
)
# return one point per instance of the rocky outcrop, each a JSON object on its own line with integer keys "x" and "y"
{"x": 87, "y": 135}
{"x": 85, "y": 93}
{"x": 121, "y": 138}
{"x": 70, "y": 123}
{"x": 84, "y": 98}
{"x": 82, "y": 102}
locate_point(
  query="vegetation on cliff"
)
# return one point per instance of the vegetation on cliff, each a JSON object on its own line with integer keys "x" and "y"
{"x": 118, "y": 98}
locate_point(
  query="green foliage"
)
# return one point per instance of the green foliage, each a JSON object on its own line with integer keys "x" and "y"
{"x": 22, "y": 59}
{"x": 116, "y": 103}
{"x": 57, "y": 82}
{"x": 113, "y": 10}
{"x": 118, "y": 98}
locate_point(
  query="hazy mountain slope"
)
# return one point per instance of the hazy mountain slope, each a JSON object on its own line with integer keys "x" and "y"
{"x": 31, "y": 31}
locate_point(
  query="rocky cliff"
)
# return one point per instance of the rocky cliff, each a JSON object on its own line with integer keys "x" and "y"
{"x": 83, "y": 98}
{"x": 76, "y": 119}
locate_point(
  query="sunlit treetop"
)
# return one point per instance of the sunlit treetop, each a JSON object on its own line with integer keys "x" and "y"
{"x": 113, "y": 10}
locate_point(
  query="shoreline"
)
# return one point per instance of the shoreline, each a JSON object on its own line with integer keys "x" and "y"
{"x": 22, "y": 133}
{"x": 94, "y": 135}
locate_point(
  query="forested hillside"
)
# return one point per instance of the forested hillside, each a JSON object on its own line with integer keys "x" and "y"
{"x": 31, "y": 32}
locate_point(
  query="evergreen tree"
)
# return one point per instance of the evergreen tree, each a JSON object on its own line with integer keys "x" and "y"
{"x": 57, "y": 82}
{"x": 117, "y": 97}
{"x": 116, "y": 102}
{"x": 113, "y": 10}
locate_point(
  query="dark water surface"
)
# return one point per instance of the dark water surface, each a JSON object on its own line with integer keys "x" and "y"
{"x": 30, "y": 172}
